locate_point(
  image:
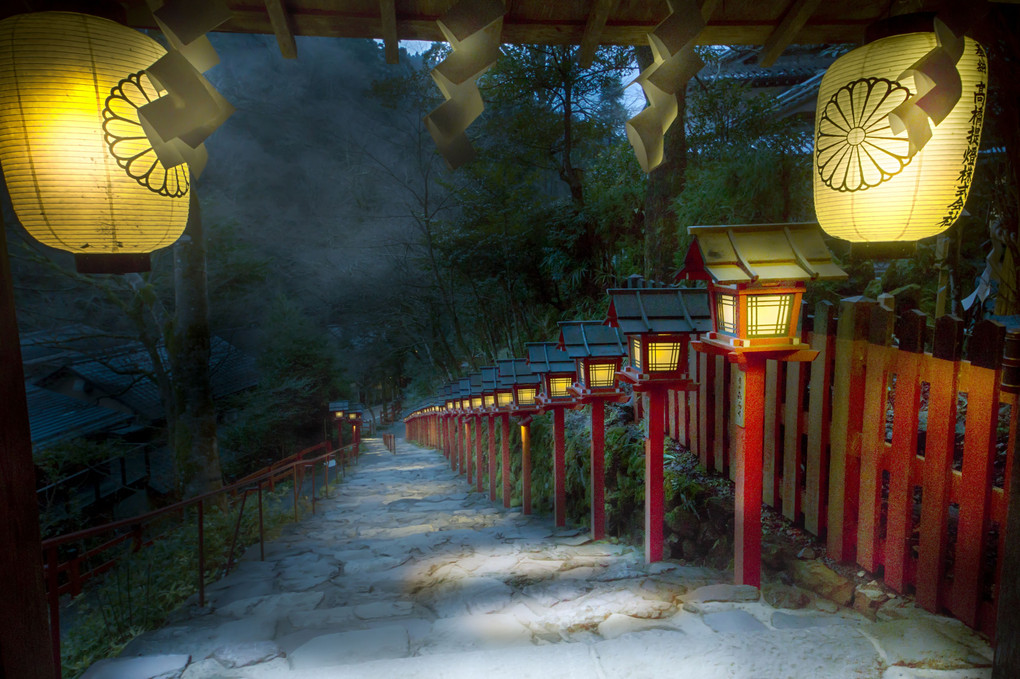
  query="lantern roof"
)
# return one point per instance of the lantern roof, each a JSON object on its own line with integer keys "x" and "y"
{"x": 444, "y": 391}
{"x": 463, "y": 387}
{"x": 489, "y": 377}
{"x": 638, "y": 311}
{"x": 544, "y": 357}
{"x": 335, "y": 406}
{"x": 591, "y": 339}
{"x": 748, "y": 253}
{"x": 515, "y": 371}
{"x": 475, "y": 388}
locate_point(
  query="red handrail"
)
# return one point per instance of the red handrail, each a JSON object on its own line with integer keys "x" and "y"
{"x": 293, "y": 466}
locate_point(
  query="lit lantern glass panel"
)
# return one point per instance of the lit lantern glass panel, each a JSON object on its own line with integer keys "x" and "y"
{"x": 558, "y": 386}
{"x": 490, "y": 400}
{"x": 476, "y": 401}
{"x": 663, "y": 356}
{"x": 635, "y": 352}
{"x": 504, "y": 398}
{"x": 465, "y": 404}
{"x": 601, "y": 374}
{"x": 769, "y": 315}
{"x": 338, "y": 414}
{"x": 526, "y": 396}
{"x": 726, "y": 313}
{"x": 352, "y": 416}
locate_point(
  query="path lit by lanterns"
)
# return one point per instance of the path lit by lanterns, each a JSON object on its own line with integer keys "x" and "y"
{"x": 408, "y": 571}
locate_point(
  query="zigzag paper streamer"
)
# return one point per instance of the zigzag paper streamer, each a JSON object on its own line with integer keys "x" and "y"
{"x": 473, "y": 29}
{"x": 675, "y": 62}
{"x": 178, "y": 123}
{"x": 938, "y": 89}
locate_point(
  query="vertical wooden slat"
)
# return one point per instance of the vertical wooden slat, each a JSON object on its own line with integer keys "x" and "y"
{"x": 682, "y": 397}
{"x": 873, "y": 437}
{"x": 731, "y": 388}
{"x": 769, "y": 477}
{"x": 791, "y": 440}
{"x": 942, "y": 373}
{"x": 706, "y": 409}
{"x": 981, "y": 382}
{"x": 910, "y": 330}
{"x": 816, "y": 463}
{"x": 721, "y": 398}
{"x": 847, "y": 395}
{"x": 671, "y": 408}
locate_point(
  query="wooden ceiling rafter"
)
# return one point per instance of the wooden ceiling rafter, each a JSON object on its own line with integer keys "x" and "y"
{"x": 794, "y": 19}
{"x": 279, "y": 18}
{"x": 592, "y": 37}
{"x": 388, "y": 19}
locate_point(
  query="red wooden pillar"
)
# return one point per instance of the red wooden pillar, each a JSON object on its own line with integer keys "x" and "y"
{"x": 492, "y": 460}
{"x": 598, "y": 452}
{"x": 559, "y": 468}
{"x": 526, "y": 467}
{"x": 357, "y": 439}
{"x": 25, "y": 642}
{"x": 477, "y": 424}
{"x": 455, "y": 434}
{"x": 655, "y": 512}
{"x": 504, "y": 445}
{"x": 750, "y": 435}
{"x": 465, "y": 449}
{"x": 478, "y": 449}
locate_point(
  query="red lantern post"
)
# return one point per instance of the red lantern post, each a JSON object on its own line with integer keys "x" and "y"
{"x": 517, "y": 390}
{"x": 557, "y": 373}
{"x": 598, "y": 352}
{"x": 658, "y": 323}
{"x": 757, "y": 275}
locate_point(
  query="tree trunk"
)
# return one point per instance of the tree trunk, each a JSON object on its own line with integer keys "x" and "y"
{"x": 664, "y": 184}
{"x": 197, "y": 456}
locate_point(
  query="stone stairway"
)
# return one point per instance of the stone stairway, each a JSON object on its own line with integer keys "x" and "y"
{"x": 404, "y": 573}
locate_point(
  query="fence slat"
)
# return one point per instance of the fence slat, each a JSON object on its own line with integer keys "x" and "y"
{"x": 719, "y": 452}
{"x": 942, "y": 375}
{"x": 792, "y": 474}
{"x": 770, "y": 479}
{"x": 910, "y": 330}
{"x": 981, "y": 382}
{"x": 816, "y": 462}
{"x": 847, "y": 396}
{"x": 873, "y": 438}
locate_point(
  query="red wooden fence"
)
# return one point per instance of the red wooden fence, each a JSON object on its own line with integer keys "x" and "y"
{"x": 893, "y": 455}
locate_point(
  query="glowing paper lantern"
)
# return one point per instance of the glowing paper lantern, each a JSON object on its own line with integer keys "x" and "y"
{"x": 81, "y": 173}
{"x": 896, "y": 136}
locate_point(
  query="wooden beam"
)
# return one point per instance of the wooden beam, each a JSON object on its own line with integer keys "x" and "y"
{"x": 280, "y": 21}
{"x": 794, "y": 19}
{"x": 600, "y": 11}
{"x": 388, "y": 16}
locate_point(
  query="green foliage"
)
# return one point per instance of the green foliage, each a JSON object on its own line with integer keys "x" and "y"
{"x": 68, "y": 457}
{"x": 299, "y": 375}
{"x": 145, "y": 586}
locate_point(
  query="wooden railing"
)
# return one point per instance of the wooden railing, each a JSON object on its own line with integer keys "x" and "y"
{"x": 895, "y": 456}
{"x": 68, "y": 576}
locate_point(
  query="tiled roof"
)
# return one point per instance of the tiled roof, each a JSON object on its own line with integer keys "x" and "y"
{"x": 584, "y": 339}
{"x": 476, "y": 384}
{"x": 544, "y": 357}
{"x": 637, "y": 311}
{"x": 54, "y": 417}
{"x": 489, "y": 377}
{"x": 515, "y": 371}
{"x": 745, "y": 253}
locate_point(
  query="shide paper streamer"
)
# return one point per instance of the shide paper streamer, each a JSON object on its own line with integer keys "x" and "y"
{"x": 675, "y": 62}
{"x": 178, "y": 123}
{"x": 473, "y": 29}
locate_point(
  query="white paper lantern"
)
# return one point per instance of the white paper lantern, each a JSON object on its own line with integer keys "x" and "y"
{"x": 874, "y": 180}
{"x": 81, "y": 173}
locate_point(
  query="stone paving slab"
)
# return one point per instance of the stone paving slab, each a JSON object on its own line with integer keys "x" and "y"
{"x": 404, "y": 571}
